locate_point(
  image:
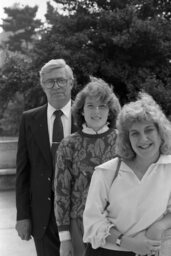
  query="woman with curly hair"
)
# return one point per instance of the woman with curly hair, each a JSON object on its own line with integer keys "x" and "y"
{"x": 139, "y": 199}
{"x": 95, "y": 111}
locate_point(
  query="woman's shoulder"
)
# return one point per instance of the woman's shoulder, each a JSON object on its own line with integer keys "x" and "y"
{"x": 68, "y": 145}
{"x": 106, "y": 171}
{"x": 70, "y": 140}
{"x": 72, "y": 137}
{"x": 109, "y": 165}
{"x": 108, "y": 168}
{"x": 165, "y": 159}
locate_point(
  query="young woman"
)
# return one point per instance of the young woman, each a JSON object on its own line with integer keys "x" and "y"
{"x": 140, "y": 196}
{"x": 95, "y": 110}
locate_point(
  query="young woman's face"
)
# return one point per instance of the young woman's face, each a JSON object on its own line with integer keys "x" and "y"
{"x": 95, "y": 113}
{"x": 145, "y": 140}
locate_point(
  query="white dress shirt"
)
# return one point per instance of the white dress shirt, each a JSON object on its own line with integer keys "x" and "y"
{"x": 134, "y": 204}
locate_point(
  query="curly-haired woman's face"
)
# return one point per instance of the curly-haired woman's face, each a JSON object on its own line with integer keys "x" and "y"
{"x": 95, "y": 113}
{"x": 145, "y": 140}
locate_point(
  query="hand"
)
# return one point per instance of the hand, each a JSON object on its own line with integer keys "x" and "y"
{"x": 66, "y": 248}
{"x": 155, "y": 231}
{"x": 23, "y": 228}
{"x": 140, "y": 244}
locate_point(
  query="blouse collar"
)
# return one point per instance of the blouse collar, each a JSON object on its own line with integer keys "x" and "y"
{"x": 89, "y": 130}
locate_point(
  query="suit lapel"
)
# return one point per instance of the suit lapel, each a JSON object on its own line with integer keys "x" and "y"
{"x": 40, "y": 130}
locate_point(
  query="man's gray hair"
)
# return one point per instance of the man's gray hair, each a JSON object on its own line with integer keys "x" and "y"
{"x": 55, "y": 64}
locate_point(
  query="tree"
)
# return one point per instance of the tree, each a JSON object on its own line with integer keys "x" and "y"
{"x": 19, "y": 90}
{"x": 114, "y": 40}
{"x": 111, "y": 40}
{"x": 154, "y": 8}
{"x": 18, "y": 75}
{"x": 22, "y": 25}
{"x": 9, "y": 123}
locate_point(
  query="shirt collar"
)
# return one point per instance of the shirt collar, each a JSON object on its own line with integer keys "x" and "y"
{"x": 91, "y": 131}
{"x": 164, "y": 159}
{"x": 66, "y": 109}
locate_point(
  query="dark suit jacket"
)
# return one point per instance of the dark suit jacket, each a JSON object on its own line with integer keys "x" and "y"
{"x": 34, "y": 170}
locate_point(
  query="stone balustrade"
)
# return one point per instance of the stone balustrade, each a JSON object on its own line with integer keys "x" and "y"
{"x": 8, "y": 150}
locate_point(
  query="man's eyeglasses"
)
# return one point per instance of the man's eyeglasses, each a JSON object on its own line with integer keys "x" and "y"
{"x": 50, "y": 83}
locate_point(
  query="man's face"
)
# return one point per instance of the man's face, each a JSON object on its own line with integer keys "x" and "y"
{"x": 57, "y": 87}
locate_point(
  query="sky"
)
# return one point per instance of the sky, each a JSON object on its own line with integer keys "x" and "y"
{"x": 41, "y": 7}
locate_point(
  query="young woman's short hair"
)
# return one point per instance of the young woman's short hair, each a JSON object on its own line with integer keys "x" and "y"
{"x": 101, "y": 91}
{"x": 144, "y": 109}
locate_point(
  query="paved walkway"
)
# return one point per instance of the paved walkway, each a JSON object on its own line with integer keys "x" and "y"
{"x": 10, "y": 243}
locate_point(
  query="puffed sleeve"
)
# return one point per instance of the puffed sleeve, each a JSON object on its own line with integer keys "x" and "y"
{"x": 95, "y": 220}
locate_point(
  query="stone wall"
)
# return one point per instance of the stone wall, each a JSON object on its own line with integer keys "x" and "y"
{"x": 8, "y": 151}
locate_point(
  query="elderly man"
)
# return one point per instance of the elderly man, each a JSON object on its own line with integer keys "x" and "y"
{"x": 41, "y": 131}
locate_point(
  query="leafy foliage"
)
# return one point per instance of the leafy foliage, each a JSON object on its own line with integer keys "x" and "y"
{"x": 9, "y": 123}
{"x": 112, "y": 40}
{"x": 22, "y": 25}
{"x": 125, "y": 42}
{"x": 17, "y": 75}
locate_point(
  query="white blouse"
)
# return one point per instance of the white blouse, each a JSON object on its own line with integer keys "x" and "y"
{"x": 134, "y": 204}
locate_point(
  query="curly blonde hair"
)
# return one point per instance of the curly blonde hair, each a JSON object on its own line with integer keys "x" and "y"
{"x": 144, "y": 109}
{"x": 99, "y": 89}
